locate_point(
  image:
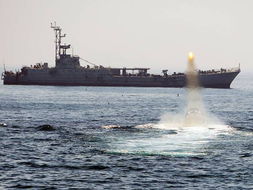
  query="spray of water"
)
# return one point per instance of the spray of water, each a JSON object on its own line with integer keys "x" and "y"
{"x": 186, "y": 133}
{"x": 195, "y": 111}
{"x": 195, "y": 114}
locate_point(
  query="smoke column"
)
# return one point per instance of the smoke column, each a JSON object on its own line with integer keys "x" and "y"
{"x": 195, "y": 112}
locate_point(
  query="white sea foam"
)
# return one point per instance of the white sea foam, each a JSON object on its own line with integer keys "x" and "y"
{"x": 177, "y": 141}
{"x": 110, "y": 126}
{"x": 190, "y": 130}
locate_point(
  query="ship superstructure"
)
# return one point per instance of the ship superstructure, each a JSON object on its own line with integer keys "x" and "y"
{"x": 69, "y": 72}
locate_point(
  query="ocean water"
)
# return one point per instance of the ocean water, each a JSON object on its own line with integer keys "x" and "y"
{"x": 125, "y": 138}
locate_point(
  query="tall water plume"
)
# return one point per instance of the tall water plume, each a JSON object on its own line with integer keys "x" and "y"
{"x": 195, "y": 112}
{"x": 186, "y": 133}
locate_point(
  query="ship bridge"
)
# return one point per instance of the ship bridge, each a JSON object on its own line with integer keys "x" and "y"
{"x": 62, "y": 59}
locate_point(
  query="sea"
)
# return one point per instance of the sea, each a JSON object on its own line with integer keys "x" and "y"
{"x": 55, "y": 137}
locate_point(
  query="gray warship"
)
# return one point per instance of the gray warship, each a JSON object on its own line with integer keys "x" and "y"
{"x": 69, "y": 72}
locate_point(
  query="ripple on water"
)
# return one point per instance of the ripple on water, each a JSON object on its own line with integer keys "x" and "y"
{"x": 138, "y": 152}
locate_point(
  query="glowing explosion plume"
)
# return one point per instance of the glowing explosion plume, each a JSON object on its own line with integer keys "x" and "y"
{"x": 195, "y": 111}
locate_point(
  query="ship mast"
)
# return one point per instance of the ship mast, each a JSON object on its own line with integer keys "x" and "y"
{"x": 58, "y": 37}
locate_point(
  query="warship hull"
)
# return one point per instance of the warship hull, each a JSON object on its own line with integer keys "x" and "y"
{"x": 64, "y": 78}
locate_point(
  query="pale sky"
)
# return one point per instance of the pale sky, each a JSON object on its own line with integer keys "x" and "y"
{"x": 132, "y": 33}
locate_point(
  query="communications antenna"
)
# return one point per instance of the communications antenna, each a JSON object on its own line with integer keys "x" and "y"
{"x": 58, "y": 45}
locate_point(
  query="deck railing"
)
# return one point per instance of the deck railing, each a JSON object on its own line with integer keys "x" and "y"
{"x": 234, "y": 69}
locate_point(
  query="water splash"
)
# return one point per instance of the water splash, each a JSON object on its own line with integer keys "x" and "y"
{"x": 183, "y": 134}
{"x": 189, "y": 141}
{"x": 194, "y": 114}
{"x": 195, "y": 111}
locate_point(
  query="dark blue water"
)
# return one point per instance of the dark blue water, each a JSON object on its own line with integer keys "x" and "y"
{"x": 111, "y": 138}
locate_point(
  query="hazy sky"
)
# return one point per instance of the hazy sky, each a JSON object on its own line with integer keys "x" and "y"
{"x": 130, "y": 33}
